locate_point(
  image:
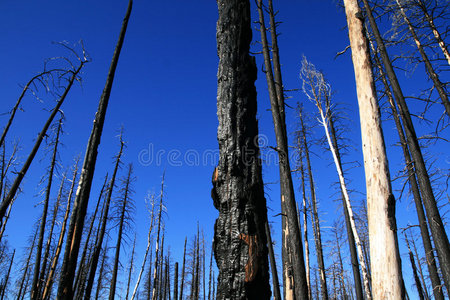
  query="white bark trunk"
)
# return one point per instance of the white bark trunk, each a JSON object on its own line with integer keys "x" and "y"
{"x": 385, "y": 260}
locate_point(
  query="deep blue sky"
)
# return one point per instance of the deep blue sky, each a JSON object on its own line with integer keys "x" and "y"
{"x": 164, "y": 95}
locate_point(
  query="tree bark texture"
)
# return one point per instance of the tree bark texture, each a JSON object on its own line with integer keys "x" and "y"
{"x": 387, "y": 281}
{"x": 240, "y": 245}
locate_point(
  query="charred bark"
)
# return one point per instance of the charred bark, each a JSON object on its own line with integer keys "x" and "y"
{"x": 240, "y": 243}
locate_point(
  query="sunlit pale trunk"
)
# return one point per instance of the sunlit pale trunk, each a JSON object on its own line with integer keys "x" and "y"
{"x": 387, "y": 282}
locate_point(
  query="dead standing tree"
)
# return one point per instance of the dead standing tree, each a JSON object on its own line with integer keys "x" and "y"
{"x": 319, "y": 92}
{"x": 387, "y": 281}
{"x": 434, "y": 217}
{"x": 87, "y": 174}
{"x": 240, "y": 245}
{"x": 292, "y": 251}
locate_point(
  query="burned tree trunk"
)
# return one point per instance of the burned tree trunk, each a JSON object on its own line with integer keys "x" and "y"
{"x": 87, "y": 173}
{"x": 240, "y": 245}
{"x": 293, "y": 261}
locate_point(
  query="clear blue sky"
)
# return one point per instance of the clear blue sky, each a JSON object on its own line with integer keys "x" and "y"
{"x": 164, "y": 95}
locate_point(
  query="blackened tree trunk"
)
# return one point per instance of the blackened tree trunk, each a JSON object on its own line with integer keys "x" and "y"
{"x": 413, "y": 266}
{"x": 130, "y": 268}
{"x": 35, "y": 285}
{"x": 123, "y": 210}
{"x": 83, "y": 268}
{"x": 292, "y": 245}
{"x": 240, "y": 243}
{"x": 175, "y": 282}
{"x": 434, "y": 218}
{"x": 99, "y": 242}
{"x": 87, "y": 173}
{"x": 182, "y": 270}
{"x": 387, "y": 280}
{"x": 8, "y": 274}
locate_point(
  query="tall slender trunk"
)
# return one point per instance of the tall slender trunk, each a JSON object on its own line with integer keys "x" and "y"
{"x": 182, "y": 270}
{"x": 99, "y": 242}
{"x": 210, "y": 276}
{"x": 149, "y": 240}
{"x": 21, "y": 174}
{"x": 315, "y": 217}
{"x": 318, "y": 91}
{"x": 348, "y": 225}
{"x": 430, "y": 70}
{"x": 101, "y": 270}
{"x": 175, "y": 282}
{"x": 112, "y": 289}
{"x": 155, "y": 271}
{"x": 27, "y": 264}
{"x": 84, "y": 187}
{"x": 305, "y": 208}
{"x": 291, "y": 229}
{"x": 240, "y": 242}
{"x": 83, "y": 268}
{"x": 436, "y": 33}
{"x": 413, "y": 266}
{"x": 387, "y": 281}
{"x": 130, "y": 268}
{"x": 5, "y": 284}
{"x": 431, "y": 263}
{"x": 35, "y": 285}
{"x": 42, "y": 275}
{"x": 420, "y": 270}
{"x": 273, "y": 265}
{"x": 434, "y": 218}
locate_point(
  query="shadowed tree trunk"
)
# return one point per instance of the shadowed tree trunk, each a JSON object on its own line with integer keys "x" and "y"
{"x": 387, "y": 281}
{"x": 440, "y": 237}
{"x": 413, "y": 266}
{"x": 182, "y": 270}
{"x": 123, "y": 210}
{"x": 240, "y": 243}
{"x": 175, "y": 282}
{"x": 87, "y": 173}
{"x": 292, "y": 250}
